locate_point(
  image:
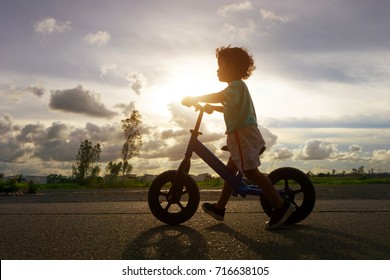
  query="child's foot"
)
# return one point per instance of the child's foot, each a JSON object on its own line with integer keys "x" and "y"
{"x": 213, "y": 211}
{"x": 279, "y": 216}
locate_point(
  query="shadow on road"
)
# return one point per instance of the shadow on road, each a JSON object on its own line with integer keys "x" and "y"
{"x": 308, "y": 242}
{"x": 167, "y": 242}
{"x": 298, "y": 242}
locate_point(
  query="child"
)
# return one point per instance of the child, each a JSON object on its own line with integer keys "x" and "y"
{"x": 244, "y": 139}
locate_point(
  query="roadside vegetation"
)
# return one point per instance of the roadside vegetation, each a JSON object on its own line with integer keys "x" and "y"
{"x": 58, "y": 182}
{"x": 17, "y": 185}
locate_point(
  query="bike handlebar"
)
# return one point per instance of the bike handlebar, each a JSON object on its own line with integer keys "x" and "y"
{"x": 196, "y": 105}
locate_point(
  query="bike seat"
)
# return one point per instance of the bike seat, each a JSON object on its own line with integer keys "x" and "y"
{"x": 225, "y": 148}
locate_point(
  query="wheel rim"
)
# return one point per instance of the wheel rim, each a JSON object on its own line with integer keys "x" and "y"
{"x": 291, "y": 191}
{"x": 172, "y": 203}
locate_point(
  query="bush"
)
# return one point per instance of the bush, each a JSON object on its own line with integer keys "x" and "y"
{"x": 32, "y": 187}
{"x": 10, "y": 186}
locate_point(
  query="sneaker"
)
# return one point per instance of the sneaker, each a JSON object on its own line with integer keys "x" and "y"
{"x": 213, "y": 211}
{"x": 279, "y": 216}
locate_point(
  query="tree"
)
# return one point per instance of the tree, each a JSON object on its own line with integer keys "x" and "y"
{"x": 133, "y": 140}
{"x": 87, "y": 161}
{"x": 113, "y": 169}
{"x": 56, "y": 178}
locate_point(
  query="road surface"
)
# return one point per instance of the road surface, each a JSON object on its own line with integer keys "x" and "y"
{"x": 348, "y": 222}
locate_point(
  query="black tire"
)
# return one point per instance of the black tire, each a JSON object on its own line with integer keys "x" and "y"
{"x": 294, "y": 186}
{"x": 176, "y": 211}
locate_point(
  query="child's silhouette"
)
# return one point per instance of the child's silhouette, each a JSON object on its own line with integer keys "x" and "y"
{"x": 244, "y": 139}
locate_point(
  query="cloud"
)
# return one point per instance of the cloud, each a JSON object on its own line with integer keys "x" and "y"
{"x": 316, "y": 149}
{"x": 355, "y": 148}
{"x": 235, "y": 7}
{"x": 99, "y": 38}
{"x": 126, "y": 108}
{"x": 172, "y": 143}
{"x": 15, "y": 92}
{"x": 5, "y": 124}
{"x": 181, "y": 116}
{"x": 51, "y": 25}
{"x": 10, "y": 147}
{"x": 11, "y": 151}
{"x": 241, "y": 33}
{"x": 58, "y": 142}
{"x": 137, "y": 81}
{"x": 269, "y": 137}
{"x": 112, "y": 72}
{"x": 268, "y": 15}
{"x": 81, "y": 101}
{"x": 381, "y": 156}
{"x": 105, "y": 69}
{"x": 38, "y": 91}
{"x": 345, "y": 121}
{"x": 281, "y": 154}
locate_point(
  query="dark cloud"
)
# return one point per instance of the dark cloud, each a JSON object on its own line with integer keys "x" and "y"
{"x": 126, "y": 108}
{"x": 11, "y": 151}
{"x": 38, "y": 91}
{"x": 58, "y": 142}
{"x": 31, "y": 133}
{"x": 81, "y": 101}
{"x": 5, "y": 124}
{"x": 170, "y": 133}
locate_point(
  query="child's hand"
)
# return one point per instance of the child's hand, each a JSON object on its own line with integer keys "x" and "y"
{"x": 209, "y": 109}
{"x": 188, "y": 101}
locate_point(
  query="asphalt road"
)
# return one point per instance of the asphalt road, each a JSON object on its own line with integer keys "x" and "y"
{"x": 348, "y": 222}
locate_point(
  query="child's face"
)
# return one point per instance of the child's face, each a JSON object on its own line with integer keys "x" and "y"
{"x": 225, "y": 71}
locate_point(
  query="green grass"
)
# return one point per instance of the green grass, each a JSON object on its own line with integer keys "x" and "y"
{"x": 317, "y": 181}
{"x": 119, "y": 184}
{"x": 210, "y": 184}
{"x": 342, "y": 181}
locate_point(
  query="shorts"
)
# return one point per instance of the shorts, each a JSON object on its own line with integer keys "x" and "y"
{"x": 244, "y": 146}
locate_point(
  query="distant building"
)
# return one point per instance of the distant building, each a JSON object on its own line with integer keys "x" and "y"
{"x": 202, "y": 177}
{"x": 35, "y": 179}
{"x": 26, "y": 178}
{"x": 147, "y": 178}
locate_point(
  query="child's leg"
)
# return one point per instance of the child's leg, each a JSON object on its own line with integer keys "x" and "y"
{"x": 227, "y": 189}
{"x": 266, "y": 186}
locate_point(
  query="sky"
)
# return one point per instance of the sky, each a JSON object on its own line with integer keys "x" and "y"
{"x": 72, "y": 70}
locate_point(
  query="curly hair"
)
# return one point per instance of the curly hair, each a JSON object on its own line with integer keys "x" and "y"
{"x": 239, "y": 58}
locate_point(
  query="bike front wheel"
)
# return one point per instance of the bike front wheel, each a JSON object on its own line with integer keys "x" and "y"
{"x": 170, "y": 206}
{"x": 294, "y": 186}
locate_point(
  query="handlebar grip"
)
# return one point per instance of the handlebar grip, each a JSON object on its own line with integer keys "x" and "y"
{"x": 199, "y": 107}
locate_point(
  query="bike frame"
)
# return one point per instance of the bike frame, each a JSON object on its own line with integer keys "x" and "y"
{"x": 195, "y": 146}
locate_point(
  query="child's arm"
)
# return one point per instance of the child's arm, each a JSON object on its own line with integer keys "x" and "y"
{"x": 209, "y": 109}
{"x": 208, "y": 98}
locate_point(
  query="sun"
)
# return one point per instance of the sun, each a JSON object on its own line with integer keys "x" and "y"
{"x": 191, "y": 81}
{"x": 190, "y": 77}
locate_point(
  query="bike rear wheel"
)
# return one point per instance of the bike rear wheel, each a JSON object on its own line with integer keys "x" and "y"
{"x": 294, "y": 186}
{"x": 171, "y": 208}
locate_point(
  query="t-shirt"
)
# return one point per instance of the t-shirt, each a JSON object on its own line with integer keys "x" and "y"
{"x": 239, "y": 111}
